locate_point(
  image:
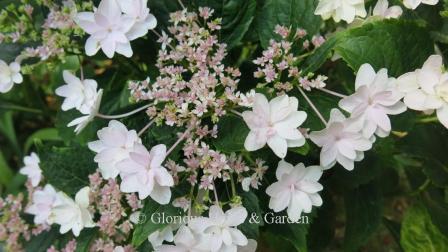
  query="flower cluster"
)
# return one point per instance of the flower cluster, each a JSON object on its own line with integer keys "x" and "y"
{"x": 277, "y": 65}
{"x": 12, "y": 227}
{"x": 193, "y": 82}
{"x": 193, "y": 92}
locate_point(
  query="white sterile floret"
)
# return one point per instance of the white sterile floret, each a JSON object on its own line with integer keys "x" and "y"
{"x": 83, "y": 121}
{"x": 144, "y": 21}
{"x": 9, "y": 74}
{"x": 32, "y": 169}
{"x": 107, "y": 27}
{"x": 341, "y": 142}
{"x": 72, "y": 214}
{"x": 375, "y": 98}
{"x": 296, "y": 189}
{"x": 413, "y": 4}
{"x": 42, "y": 204}
{"x": 143, "y": 173}
{"x": 114, "y": 145}
{"x": 275, "y": 123}
{"x": 185, "y": 240}
{"x": 157, "y": 238}
{"x": 426, "y": 89}
{"x": 79, "y": 94}
{"x": 218, "y": 232}
{"x": 339, "y": 10}
{"x": 382, "y": 9}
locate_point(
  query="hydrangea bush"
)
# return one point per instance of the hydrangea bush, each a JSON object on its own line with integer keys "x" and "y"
{"x": 196, "y": 126}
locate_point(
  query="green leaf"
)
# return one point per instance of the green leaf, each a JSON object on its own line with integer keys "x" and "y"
{"x": 296, "y": 235}
{"x": 9, "y": 51}
{"x": 437, "y": 208}
{"x": 5, "y": 171}
{"x": 419, "y": 234}
{"x": 232, "y": 134}
{"x": 363, "y": 208}
{"x": 43, "y": 241}
{"x": 7, "y": 129}
{"x": 147, "y": 226}
{"x": 322, "y": 230}
{"x": 303, "y": 150}
{"x": 394, "y": 229}
{"x": 85, "y": 239}
{"x": 67, "y": 168}
{"x": 237, "y": 18}
{"x": 251, "y": 203}
{"x": 50, "y": 134}
{"x": 383, "y": 44}
{"x": 290, "y": 13}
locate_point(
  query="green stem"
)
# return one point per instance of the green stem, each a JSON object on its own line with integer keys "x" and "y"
{"x": 428, "y": 120}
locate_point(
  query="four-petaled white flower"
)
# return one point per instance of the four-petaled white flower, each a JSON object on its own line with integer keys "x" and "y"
{"x": 144, "y": 21}
{"x": 79, "y": 94}
{"x": 107, "y": 27}
{"x": 275, "y": 123}
{"x": 72, "y": 214}
{"x": 341, "y": 142}
{"x": 382, "y": 9}
{"x": 218, "y": 231}
{"x": 42, "y": 204}
{"x": 413, "y": 4}
{"x": 339, "y": 10}
{"x": 296, "y": 189}
{"x": 143, "y": 172}
{"x": 32, "y": 169}
{"x": 81, "y": 122}
{"x": 114, "y": 145}
{"x": 9, "y": 74}
{"x": 375, "y": 98}
{"x": 426, "y": 89}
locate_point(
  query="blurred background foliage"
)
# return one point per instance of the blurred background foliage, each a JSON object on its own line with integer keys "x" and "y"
{"x": 395, "y": 200}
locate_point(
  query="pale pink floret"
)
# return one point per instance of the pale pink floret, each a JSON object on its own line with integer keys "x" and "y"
{"x": 274, "y": 123}
{"x": 143, "y": 172}
{"x": 296, "y": 189}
